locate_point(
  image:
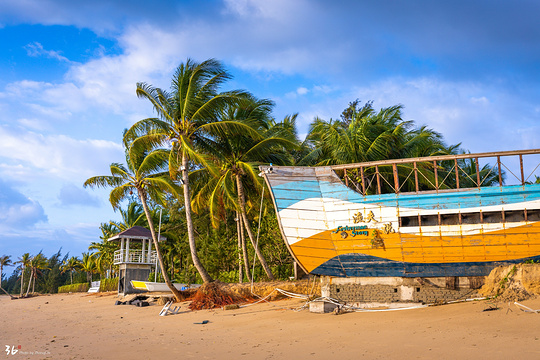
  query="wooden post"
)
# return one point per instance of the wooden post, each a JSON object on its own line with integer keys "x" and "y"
{"x": 477, "y": 174}
{"x": 416, "y": 177}
{"x": 150, "y": 251}
{"x": 500, "y": 171}
{"x": 143, "y": 255}
{"x": 126, "y": 259}
{"x": 346, "y": 178}
{"x": 436, "y": 176}
{"x": 378, "y": 179}
{"x": 521, "y": 168}
{"x": 363, "y": 181}
{"x": 396, "y": 178}
{"x": 457, "y": 173}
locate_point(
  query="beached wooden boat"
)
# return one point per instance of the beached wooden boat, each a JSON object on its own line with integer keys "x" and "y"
{"x": 355, "y": 220}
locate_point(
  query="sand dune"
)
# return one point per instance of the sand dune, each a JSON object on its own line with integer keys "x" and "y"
{"x": 77, "y": 326}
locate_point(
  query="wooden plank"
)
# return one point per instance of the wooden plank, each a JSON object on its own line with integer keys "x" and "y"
{"x": 477, "y": 172}
{"x": 396, "y": 178}
{"x": 436, "y": 158}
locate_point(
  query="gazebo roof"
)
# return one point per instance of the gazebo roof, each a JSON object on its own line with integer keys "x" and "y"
{"x": 135, "y": 233}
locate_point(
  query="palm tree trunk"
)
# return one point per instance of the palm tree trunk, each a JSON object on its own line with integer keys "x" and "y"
{"x": 174, "y": 290}
{"x": 240, "y": 265}
{"x": 30, "y": 281}
{"x": 191, "y": 234}
{"x": 71, "y": 276}
{"x": 242, "y": 203}
{"x": 22, "y": 281}
{"x": 244, "y": 251}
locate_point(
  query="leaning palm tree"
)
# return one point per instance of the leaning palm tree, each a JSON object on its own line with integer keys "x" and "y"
{"x": 187, "y": 118}
{"x": 5, "y": 260}
{"x": 146, "y": 174}
{"x": 71, "y": 265}
{"x": 37, "y": 263}
{"x": 24, "y": 262}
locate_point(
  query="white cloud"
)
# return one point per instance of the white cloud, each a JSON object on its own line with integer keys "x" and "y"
{"x": 58, "y": 155}
{"x": 17, "y": 210}
{"x": 302, "y": 90}
{"x": 35, "y": 49}
{"x": 450, "y": 108}
{"x": 33, "y": 124}
{"x": 22, "y": 215}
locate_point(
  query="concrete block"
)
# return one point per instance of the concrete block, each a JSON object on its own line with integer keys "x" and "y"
{"x": 321, "y": 307}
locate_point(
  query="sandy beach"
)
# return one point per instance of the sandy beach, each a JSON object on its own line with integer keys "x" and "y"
{"x": 80, "y": 326}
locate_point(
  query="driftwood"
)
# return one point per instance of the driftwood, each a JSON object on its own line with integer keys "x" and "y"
{"x": 12, "y": 297}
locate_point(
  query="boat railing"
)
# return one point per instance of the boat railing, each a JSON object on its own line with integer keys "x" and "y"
{"x": 134, "y": 256}
{"x": 440, "y": 173}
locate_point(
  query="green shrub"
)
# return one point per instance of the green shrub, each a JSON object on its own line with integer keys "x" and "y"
{"x": 108, "y": 284}
{"x": 81, "y": 287}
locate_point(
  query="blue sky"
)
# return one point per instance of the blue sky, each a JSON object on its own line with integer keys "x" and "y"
{"x": 68, "y": 69}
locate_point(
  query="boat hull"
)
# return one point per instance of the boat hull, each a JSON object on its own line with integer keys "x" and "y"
{"x": 332, "y": 230}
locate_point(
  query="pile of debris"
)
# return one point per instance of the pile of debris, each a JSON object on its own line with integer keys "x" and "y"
{"x": 213, "y": 295}
{"x": 139, "y": 300}
{"x": 513, "y": 282}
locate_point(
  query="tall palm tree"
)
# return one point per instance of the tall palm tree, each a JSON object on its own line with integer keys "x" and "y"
{"x": 5, "y": 260}
{"x": 144, "y": 174}
{"x": 237, "y": 157}
{"x": 24, "y": 262}
{"x": 71, "y": 265}
{"x": 187, "y": 118}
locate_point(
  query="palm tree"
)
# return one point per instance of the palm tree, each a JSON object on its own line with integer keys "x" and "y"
{"x": 5, "y": 260}
{"x": 88, "y": 264}
{"x": 187, "y": 119}
{"x": 71, "y": 265}
{"x": 104, "y": 254}
{"x": 145, "y": 175}
{"x": 37, "y": 263}
{"x": 237, "y": 157}
{"x": 366, "y": 135}
{"x": 132, "y": 216}
{"x": 24, "y": 260}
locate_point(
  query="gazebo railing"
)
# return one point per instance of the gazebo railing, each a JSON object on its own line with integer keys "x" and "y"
{"x": 134, "y": 256}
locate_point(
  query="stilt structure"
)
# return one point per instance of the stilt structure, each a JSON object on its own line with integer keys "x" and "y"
{"x": 135, "y": 257}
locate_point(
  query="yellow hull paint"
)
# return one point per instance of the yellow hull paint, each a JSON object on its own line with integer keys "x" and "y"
{"x": 507, "y": 244}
